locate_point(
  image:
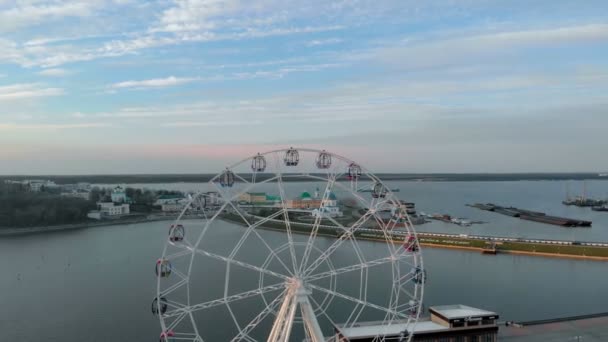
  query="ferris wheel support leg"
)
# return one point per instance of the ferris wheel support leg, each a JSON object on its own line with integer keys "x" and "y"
{"x": 281, "y": 329}
{"x": 311, "y": 325}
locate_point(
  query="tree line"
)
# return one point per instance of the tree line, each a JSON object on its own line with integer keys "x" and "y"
{"x": 20, "y": 208}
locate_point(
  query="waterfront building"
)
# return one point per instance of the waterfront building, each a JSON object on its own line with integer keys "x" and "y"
{"x": 167, "y": 199}
{"x": 37, "y": 185}
{"x": 118, "y": 195}
{"x": 329, "y": 206}
{"x": 113, "y": 209}
{"x": 452, "y": 323}
{"x": 260, "y": 199}
{"x": 213, "y": 199}
{"x": 175, "y": 205}
{"x": 253, "y": 198}
{"x": 305, "y": 201}
{"x": 84, "y": 194}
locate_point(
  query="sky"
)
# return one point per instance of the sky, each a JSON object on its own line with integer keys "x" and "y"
{"x": 138, "y": 86}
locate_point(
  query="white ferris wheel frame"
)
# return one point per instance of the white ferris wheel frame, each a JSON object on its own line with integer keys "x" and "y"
{"x": 296, "y": 286}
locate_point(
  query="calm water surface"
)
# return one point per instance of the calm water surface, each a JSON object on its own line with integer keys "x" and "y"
{"x": 97, "y": 284}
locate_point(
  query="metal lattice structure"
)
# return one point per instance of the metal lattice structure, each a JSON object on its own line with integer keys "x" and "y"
{"x": 242, "y": 264}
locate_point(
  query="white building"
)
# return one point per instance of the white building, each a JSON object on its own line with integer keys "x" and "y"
{"x": 168, "y": 199}
{"x": 329, "y": 206}
{"x": 213, "y": 199}
{"x": 37, "y": 185}
{"x": 78, "y": 194}
{"x": 113, "y": 209}
{"x": 173, "y": 207}
{"x": 118, "y": 195}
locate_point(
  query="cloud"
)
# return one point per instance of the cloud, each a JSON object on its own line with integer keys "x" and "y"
{"x": 474, "y": 48}
{"x": 27, "y": 91}
{"x": 153, "y": 83}
{"x": 50, "y": 127}
{"x": 219, "y": 123}
{"x": 28, "y": 14}
{"x": 319, "y": 42}
{"x": 56, "y": 72}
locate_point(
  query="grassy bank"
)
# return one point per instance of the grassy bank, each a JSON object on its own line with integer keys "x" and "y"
{"x": 584, "y": 252}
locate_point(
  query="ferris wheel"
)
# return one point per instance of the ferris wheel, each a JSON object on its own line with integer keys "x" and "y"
{"x": 289, "y": 245}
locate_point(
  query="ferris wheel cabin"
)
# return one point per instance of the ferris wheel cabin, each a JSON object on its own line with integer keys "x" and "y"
{"x": 324, "y": 160}
{"x": 227, "y": 179}
{"x": 258, "y": 163}
{"x": 292, "y": 157}
{"x": 177, "y": 233}
{"x": 159, "y": 306}
{"x": 354, "y": 171}
{"x": 163, "y": 268}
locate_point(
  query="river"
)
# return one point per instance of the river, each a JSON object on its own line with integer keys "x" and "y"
{"x": 97, "y": 284}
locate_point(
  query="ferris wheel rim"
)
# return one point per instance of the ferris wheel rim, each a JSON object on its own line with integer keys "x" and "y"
{"x": 419, "y": 290}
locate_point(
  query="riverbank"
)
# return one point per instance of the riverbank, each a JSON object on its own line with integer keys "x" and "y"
{"x": 82, "y": 225}
{"x": 452, "y": 242}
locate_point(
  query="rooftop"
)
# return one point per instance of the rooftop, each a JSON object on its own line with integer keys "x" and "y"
{"x": 460, "y": 311}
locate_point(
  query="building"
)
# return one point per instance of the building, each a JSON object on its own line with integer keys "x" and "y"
{"x": 305, "y": 201}
{"x": 329, "y": 206}
{"x": 260, "y": 199}
{"x": 213, "y": 199}
{"x": 253, "y": 198}
{"x": 118, "y": 195}
{"x": 84, "y": 194}
{"x": 449, "y": 323}
{"x": 37, "y": 185}
{"x": 175, "y": 205}
{"x": 113, "y": 209}
{"x": 167, "y": 199}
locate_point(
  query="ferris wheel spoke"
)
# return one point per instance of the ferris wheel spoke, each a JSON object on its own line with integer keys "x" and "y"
{"x": 323, "y": 312}
{"x": 355, "y": 246}
{"x": 251, "y": 228}
{"x": 260, "y": 317}
{"x": 241, "y": 263}
{"x": 316, "y": 224}
{"x": 356, "y": 300}
{"x": 351, "y": 268}
{"x": 224, "y": 300}
{"x": 178, "y": 319}
{"x": 241, "y": 178}
{"x": 186, "y": 251}
{"x": 174, "y": 287}
{"x": 292, "y": 251}
{"x": 348, "y": 233}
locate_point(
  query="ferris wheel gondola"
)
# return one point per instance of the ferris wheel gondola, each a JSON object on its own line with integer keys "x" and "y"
{"x": 227, "y": 179}
{"x": 292, "y": 157}
{"x": 258, "y": 163}
{"x": 323, "y": 160}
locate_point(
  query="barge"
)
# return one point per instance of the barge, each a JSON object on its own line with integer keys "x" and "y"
{"x": 535, "y": 216}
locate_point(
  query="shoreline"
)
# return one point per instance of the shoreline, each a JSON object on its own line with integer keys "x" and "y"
{"x": 453, "y": 246}
{"x": 84, "y": 225}
{"x": 8, "y": 232}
